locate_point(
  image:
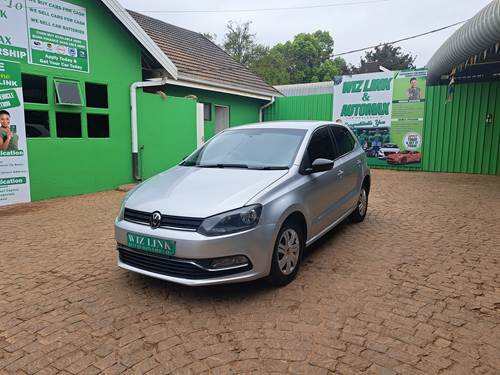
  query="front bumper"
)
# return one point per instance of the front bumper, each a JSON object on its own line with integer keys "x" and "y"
{"x": 256, "y": 244}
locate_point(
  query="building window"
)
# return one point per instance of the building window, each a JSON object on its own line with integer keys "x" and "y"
{"x": 68, "y": 125}
{"x": 34, "y": 89}
{"x": 68, "y": 93}
{"x": 37, "y": 124}
{"x": 98, "y": 126}
{"x": 207, "y": 111}
{"x": 96, "y": 95}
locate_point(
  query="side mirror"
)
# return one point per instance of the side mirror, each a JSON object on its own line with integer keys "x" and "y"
{"x": 320, "y": 165}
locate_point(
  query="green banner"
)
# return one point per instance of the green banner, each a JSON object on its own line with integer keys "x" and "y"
{"x": 390, "y": 131}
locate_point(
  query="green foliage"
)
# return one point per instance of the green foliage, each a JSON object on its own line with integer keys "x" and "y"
{"x": 389, "y": 57}
{"x": 308, "y": 57}
{"x": 240, "y": 43}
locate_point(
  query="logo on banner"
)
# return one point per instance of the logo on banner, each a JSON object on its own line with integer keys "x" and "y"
{"x": 412, "y": 141}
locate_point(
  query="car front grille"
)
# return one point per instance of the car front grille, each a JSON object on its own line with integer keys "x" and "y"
{"x": 167, "y": 221}
{"x": 170, "y": 266}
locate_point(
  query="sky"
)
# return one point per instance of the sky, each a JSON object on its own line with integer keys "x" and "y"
{"x": 352, "y": 26}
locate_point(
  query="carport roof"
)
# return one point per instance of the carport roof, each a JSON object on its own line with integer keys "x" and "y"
{"x": 198, "y": 60}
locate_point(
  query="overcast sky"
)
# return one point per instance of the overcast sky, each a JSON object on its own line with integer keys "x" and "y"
{"x": 352, "y": 26}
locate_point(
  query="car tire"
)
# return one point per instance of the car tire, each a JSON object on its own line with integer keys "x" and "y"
{"x": 358, "y": 215}
{"x": 287, "y": 254}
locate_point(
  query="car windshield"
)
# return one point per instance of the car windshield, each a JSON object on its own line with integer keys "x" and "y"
{"x": 256, "y": 148}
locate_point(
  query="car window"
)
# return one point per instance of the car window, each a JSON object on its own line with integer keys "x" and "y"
{"x": 320, "y": 146}
{"x": 257, "y": 147}
{"x": 343, "y": 139}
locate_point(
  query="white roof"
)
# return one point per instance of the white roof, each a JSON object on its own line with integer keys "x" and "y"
{"x": 304, "y": 89}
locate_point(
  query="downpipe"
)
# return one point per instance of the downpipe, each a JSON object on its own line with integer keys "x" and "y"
{"x": 261, "y": 109}
{"x": 133, "y": 120}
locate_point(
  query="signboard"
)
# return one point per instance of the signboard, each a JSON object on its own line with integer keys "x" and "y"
{"x": 384, "y": 109}
{"x": 14, "y": 175}
{"x": 364, "y": 100}
{"x": 44, "y": 32}
{"x": 13, "y": 35}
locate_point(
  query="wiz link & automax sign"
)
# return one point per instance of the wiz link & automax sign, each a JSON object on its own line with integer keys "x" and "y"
{"x": 44, "y": 32}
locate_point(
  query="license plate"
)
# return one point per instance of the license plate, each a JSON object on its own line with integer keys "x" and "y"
{"x": 151, "y": 244}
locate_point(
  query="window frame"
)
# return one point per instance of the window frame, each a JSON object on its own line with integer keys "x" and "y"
{"x": 98, "y": 114}
{"x": 82, "y": 134}
{"x": 47, "y": 111}
{"x": 337, "y": 149}
{"x": 57, "y": 97}
{"x": 305, "y": 156}
{"x": 45, "y": 78}
{"x": 211, "y": 110}
{"x": 85, "y": 83}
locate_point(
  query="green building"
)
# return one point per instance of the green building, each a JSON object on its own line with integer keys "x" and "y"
{"x": 139, "y": 94}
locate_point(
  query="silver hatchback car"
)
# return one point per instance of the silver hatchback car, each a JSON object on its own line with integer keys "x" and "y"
{"x": 245, "y": 205}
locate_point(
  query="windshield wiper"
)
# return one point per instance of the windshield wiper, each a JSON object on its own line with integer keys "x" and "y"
{"x": 271, "y": 168}
{"x": 223, "y": 165}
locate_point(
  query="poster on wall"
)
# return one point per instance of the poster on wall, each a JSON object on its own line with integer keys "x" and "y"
{"x": 14, "y": 173}
{"x": 13, "y": 35}
{"x": 45, "y": 32}
{"x": 385, "y": 110}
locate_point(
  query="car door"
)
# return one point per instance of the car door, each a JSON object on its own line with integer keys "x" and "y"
{"x": 348, "y": 165}
{"x": 319, "y": 189}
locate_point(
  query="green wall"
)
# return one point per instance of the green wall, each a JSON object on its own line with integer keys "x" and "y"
{"x": 61, "y": 166}
{"x": 311, "y": 107}
{"x": 456, "y": 136}
{"x": 242, "y": 110}
{"x": 167, "y": 131}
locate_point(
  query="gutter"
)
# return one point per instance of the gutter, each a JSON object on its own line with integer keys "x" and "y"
{"x": 133, "y": 120}
{"x": 261, "y": 109}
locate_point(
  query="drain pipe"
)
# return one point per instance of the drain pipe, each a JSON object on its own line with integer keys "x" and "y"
{"x": 264, "y": 107}
{"x": 133, "y": 120}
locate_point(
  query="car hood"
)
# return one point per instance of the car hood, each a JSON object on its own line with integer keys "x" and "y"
{"x": 200, "y": 192}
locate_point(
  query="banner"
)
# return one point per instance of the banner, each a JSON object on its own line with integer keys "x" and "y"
{"x": 385, "y": 110}
{"x": 45, "y": 32}
{"x": 14, "y": 175}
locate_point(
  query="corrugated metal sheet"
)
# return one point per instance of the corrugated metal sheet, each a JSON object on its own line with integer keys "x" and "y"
{"x": 303, "y": 89}
{"x": 456, "y": 136}
{"x": 313, "y": 107}
{"x": 480, "y": 32}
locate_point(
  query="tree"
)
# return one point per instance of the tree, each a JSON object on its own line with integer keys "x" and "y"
{"x": 272, "y": 68}
{"x": 241, "y": 45}
{"x": 210, "y": 36}
{"x": 389, "y": 57}
{"x": 306, "y": 58}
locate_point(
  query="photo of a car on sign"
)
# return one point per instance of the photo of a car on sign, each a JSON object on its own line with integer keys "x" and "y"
{"x": 404, "y": 157}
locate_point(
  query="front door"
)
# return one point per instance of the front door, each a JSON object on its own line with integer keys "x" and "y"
{"x": 221, "y": 118}
{"x": 320, "y": 190}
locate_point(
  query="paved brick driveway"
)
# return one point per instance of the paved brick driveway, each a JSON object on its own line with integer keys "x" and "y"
{"x": 415, "y": 289}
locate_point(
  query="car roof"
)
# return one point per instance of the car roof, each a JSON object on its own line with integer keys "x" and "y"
{"x": 307, "y": 125}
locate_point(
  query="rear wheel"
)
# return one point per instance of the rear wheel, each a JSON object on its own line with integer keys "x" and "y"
{"x": 358, "y": 215}
{"x": 287, "y": 254}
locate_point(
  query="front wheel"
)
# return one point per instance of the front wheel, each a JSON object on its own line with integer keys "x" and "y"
{"x": 287, "y": 254}
{"x": 358, "y": 215}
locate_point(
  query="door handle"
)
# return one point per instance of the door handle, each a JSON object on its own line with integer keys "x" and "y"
{"x": 340, "y": 173}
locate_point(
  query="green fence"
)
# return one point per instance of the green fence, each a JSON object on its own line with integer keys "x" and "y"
{"x": 457, "y": 135}
{"x": 312, "y": 107}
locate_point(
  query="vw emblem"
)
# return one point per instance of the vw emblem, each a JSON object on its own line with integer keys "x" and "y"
{"x": 155, "y": 220}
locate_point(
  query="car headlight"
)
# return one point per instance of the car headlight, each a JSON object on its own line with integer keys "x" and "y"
{"x": 125, "y": 199}
{"x": 232, "y": 221}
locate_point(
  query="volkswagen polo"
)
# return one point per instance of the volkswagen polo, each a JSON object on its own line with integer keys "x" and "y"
{"x": 245, "y": 205}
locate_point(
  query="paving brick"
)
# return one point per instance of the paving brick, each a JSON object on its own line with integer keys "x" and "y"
{"x": 426, "y": 304}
